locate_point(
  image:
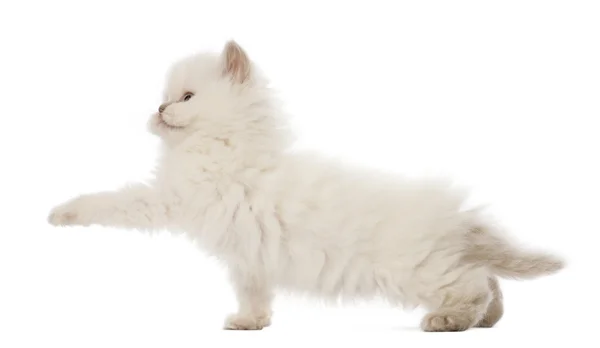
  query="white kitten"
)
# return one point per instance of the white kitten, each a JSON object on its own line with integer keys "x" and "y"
{"x": 293, "y": 221}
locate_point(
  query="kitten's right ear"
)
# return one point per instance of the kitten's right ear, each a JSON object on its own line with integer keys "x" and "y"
{"x": 235, "y": 62}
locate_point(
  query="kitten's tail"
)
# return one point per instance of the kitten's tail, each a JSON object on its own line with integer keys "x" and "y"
{"x": 486, "y": 247}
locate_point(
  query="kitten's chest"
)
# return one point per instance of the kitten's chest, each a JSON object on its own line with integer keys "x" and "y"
{"x": 210, "y": 204}
{"x": 200, "y": 200}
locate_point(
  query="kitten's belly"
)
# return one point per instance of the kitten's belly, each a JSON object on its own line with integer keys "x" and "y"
{"x": 331, "y": 273}
{"x": 325, "y": 274}
{"x": 397, "y": 259}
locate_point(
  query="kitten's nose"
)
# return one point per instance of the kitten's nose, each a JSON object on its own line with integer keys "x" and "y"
{"x": 162, "y": 107}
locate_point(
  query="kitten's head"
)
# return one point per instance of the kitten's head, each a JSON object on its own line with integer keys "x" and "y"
{"x": 217, "y": 97}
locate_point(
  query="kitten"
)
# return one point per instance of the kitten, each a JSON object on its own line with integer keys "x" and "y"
{"x": 295, "y": 221}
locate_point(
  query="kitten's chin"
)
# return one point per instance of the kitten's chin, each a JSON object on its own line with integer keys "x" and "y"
{"x": 158, "y": 126}
{"x": 169, "y": 135}
{"x": 155, "y": 126}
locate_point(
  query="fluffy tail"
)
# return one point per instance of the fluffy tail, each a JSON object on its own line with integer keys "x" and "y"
{"x": 488, "y": 248}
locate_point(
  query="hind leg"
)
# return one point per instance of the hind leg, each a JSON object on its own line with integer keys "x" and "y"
{"x": 459, "y": 306}
{"x": 495, "y": 309}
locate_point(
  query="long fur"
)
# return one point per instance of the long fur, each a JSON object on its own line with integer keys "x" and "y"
{"x": 489, "y": 249}
{"x": 287, "y": 220}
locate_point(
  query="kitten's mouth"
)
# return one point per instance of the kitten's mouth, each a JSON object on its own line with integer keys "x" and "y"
{"x": 163, "y": 123}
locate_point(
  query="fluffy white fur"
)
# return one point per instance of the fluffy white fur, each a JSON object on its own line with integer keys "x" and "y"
{"x": 297, "y": 221}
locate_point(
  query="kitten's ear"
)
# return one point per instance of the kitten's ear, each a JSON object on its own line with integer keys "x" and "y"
{"x": 235, "y": 62}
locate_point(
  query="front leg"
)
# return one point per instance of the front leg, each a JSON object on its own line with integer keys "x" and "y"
{"x": 254, "y": 295}
{"x": 135, "y": 206}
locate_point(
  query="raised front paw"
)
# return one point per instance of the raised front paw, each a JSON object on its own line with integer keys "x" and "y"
{"x": 70, "y": 213}
{"x": 247, "y": 322}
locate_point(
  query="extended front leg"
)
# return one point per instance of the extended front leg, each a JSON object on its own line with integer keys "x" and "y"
{"x": 254, "y": 295}
{"x": 135, "y": 206}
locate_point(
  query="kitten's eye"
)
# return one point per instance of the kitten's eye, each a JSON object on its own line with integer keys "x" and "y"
{"x": 187, "y": 96}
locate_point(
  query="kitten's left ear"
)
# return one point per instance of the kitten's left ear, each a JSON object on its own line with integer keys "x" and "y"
{"x": 235, "y": 62}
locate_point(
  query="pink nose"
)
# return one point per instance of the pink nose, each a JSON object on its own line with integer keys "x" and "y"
{"x": 162, "y": 107}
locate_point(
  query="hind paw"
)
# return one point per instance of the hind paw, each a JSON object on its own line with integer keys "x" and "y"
{"x": 445, "y": 322}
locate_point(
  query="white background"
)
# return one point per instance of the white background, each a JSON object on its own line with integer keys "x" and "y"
{"x": 502, "y": 95}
